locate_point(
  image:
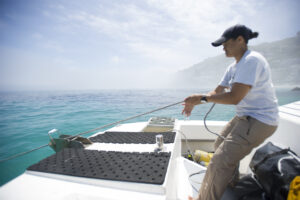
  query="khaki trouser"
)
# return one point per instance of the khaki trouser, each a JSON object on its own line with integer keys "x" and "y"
{"x": 242, "y": 135}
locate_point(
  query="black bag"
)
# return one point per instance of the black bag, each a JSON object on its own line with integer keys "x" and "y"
{"x": 247, "y": 188}
{"x": 274, "y": 169}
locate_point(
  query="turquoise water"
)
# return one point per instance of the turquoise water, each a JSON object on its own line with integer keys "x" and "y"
{"x": 26, "y": 117}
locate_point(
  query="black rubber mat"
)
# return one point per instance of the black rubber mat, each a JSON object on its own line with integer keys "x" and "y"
{"x": 132, "y": 137}
{"x": 120, "y": 166}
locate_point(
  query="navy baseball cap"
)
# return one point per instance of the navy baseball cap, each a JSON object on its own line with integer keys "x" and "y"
{"x": 233, "y": 32}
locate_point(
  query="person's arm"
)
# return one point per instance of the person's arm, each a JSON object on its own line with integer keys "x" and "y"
{"x": 237, "y": 93}
{"x": 217, "y": 90}
{"x": 195, "y": 99}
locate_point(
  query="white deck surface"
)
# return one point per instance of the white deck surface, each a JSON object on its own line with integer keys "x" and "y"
{"x": 34, "y": 187}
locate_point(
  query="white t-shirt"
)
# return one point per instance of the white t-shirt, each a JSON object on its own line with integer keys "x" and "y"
{"x": 260, "y": 102}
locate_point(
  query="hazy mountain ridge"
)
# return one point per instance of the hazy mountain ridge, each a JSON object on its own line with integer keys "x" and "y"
{"x": 283, "y": 57}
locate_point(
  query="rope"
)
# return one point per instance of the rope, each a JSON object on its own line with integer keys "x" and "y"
{"x": 92, "y": 130}
{"x": 129, "y": 118}
{"x": 204, "y": 120}
{"x": 23, "y": 153}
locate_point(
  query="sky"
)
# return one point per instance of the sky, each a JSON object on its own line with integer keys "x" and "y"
{"x": 123, "y": 44}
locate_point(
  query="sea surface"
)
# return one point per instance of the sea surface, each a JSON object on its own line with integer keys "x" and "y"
{"x": 26, "y": 117}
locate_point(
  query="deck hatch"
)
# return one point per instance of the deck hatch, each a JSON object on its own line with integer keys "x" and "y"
{"x": 132, "y": 137}
{"x": 109, "y": 165}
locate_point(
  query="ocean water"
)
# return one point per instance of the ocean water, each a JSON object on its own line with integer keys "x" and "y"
{"x": 26, "y": 117}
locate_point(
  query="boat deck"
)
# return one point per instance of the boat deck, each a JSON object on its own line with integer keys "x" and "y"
{"x": 132, "y": 137}
{"x": 110, "y": 158}
{"x": 109, "y": 165}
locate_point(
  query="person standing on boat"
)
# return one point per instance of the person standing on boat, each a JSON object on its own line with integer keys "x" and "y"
{"x": 250, "y": 88}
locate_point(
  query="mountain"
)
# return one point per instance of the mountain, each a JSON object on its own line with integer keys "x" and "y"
{"x": 283, "y": 57}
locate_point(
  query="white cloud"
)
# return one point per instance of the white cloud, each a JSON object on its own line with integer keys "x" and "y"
{"x": 167, "y": 34}
{"x": 115, "y": 59}
{"x": 201, "y": 19}
{"x": 106, "y": 43}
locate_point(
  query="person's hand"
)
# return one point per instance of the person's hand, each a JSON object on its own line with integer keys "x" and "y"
{"x": 191, "y": 198}
{"x": 187, "y": 110}
{"x": 189, "y": 104}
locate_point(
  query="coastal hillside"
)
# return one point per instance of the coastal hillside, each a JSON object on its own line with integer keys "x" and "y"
{"x": 283, "y": 57}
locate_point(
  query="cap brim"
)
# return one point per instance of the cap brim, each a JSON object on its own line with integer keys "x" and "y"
{"x": 218, "y": 42}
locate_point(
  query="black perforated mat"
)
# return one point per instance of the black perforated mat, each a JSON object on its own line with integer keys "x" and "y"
{"x": 132, "y": 137}
{"x": 119, "y": 166}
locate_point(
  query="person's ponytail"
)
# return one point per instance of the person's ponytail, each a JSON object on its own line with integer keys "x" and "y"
{"x": 253, "y": 35}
